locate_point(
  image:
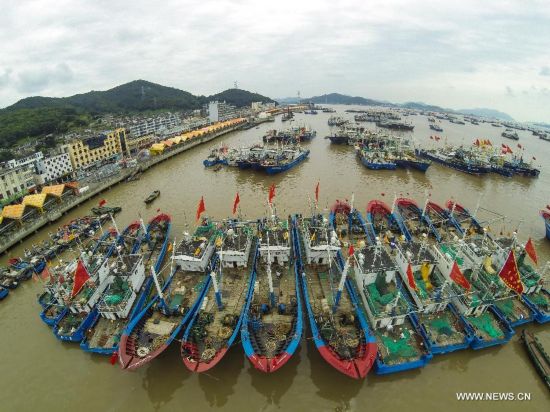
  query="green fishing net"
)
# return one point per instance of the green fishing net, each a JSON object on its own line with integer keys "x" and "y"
{"x": 442, "y": 325}
{"x": 485, "y": 323}
{"x": 400, "y": 348}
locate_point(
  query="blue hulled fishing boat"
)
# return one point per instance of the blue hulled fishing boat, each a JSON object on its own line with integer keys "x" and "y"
{"x": 128, "y": 287}
{"x": 272, "y": 325}
{"x": 217, "y": 322}
{"x": 163, "y": 319}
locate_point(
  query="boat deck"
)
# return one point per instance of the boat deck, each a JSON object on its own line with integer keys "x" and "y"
{"x": 400, "y": 344}
{"x": 443, "y": 328}
{"x": 106, "y": 333}
{"x": 272, "y": 328}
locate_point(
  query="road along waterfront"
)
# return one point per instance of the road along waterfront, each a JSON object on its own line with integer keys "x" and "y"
{"x": 41, "y": 372}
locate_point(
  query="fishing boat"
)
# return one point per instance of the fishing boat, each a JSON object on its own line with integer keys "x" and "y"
{"x": 6, "y": 280}
{"x": 384, "y": 224}
{"x": 287, "y": 159}
{"x": 152, "y": 196}
{"x": 109, "y": 210}
{"x": 417, "y": 222}
{"x": 442, "y": 220}
{"x": 163, "y": 319}
{"x": 409, "y": 160}
{"x": 216, "y": 157}
{"x": 436, "y": 127}
{"x": 3, "y": 293}
{"x": 536, "y": 296}
{"x": 272, "y": 324}
{"x": 468, "y": 223}
{"x": 394, "y": 124}
{"x": 375, "y": 160}
{"x": 545, "y": 214}
{"x": 349, "y": 225}
{"x": 431, "y": 293}
{"x": 455, "y": 159}
{"x": 538, "y": 355}
{"x": 336, "y": 121}
{"x": 86, "y": 289}
{"x": 509, "y": 134}
{"x": 339, "y": 328}
{"x": 128, "y": 287}
{"x": 401, "y": 346}
{"x": 475, "y": 298}
{"x": 215, "y": 325}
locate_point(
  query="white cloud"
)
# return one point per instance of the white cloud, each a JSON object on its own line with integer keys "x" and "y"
{"x": 459, "y": 54}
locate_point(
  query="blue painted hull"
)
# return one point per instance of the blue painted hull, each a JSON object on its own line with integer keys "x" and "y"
{"x": 442, "y": 349}
{"x": 413, "y": 164}
{"x": 282, "y": 168}
{"x": 463, "y": 167}
{"x": 4, "y": 293}
{"x": 539, "y": 314}
{"x": 378, "y": 166}
{"x": 480, "y": 343}
{"x": 52, "y": 321}
{"x": 547, "y": 225}
{"x": 78, "y": 334}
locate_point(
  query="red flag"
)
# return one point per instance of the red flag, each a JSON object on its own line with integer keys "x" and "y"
{"x": 530, "y": 249}
{"x": 102, "y": 202}
{"x": 410, "y": 277}
{"x": 271, "y": 193}
{"x": 45, "y": 273}
{"x": 114, "y": 358}
{"x": 236, "y": 203}
{"x": 81, "y": 276}
{"x": 459, "y": 278}
{"x": 510, "y": 275}
{"x": 476, "y": 143}
{"x": 61, "y": 279}
{"x": 200, "y": 208}
{"x": 351, "y": 250}
{"x": 317, "y": 193}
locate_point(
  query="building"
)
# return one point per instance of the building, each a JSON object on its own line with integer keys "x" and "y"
{"x": 54, "y": 167}
{"x": 152, "y": 125}
{"x": 134, "y": 145}
{"x": 221, "y": 111}
{"x": 25, "y": 161}
{"x": 15, "y": 182}
{"x": 88, "y": 151}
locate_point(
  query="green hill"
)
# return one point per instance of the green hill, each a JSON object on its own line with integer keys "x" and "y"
{"x": 37, "y": 115}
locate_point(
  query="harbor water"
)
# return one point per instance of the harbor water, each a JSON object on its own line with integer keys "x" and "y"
{"x": 41, "y": 373}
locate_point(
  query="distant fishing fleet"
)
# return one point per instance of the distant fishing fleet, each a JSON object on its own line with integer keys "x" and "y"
{"x": 386, "y": 290}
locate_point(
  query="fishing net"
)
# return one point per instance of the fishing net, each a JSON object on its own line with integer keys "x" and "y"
{"x": 539, "y": 299}
{"x": 382, "y": 300}
{"x": 486, "y": 324}
{"x": 449, "y": 250}
{"x": 442, "y": 326}
{"x": 399, "y": 348}
{"x": 506, "y": 306}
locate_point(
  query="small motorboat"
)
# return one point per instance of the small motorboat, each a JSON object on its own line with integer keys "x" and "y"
{"x": 3, "y": 292}
{"x": 109, "y": 210}
{"x": 152, "y": 196}
{"x": 538, "y": 355}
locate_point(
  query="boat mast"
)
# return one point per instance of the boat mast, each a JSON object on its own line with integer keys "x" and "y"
{"x": 157, "y": 286}
{"x": 215, "y": 280}
{"x": 269, "y": 276}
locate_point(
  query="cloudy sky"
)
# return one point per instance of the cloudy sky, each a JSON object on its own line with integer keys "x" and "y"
{"x": 457, "y": 54}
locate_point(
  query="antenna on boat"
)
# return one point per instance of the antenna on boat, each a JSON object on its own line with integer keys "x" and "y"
{"x": 269, "y": 276}
{"x": 157, "y": 286}
{"x": 394, "y": 203}
{"x": 215, "y": 280}
{"x": 114, "y": 224}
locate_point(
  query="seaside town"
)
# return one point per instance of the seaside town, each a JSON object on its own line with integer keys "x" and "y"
{"x": 261, "y": 247}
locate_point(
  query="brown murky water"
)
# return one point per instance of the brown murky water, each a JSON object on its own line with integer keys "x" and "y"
{"x": 39, "y": 372}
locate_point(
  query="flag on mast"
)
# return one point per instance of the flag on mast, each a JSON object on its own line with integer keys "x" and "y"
{"x": 81, "y": 276}
{"x": 236, "y": 203}
{"x": 410, "y": 277}
{"x": 317, "y": 193}
{"x": 458, "y": 277}
{"x": 200, "y": 208}
{"x": 510, "y": 275}
{"x": 530, "y": 250}
{"x": 271, "y": 193}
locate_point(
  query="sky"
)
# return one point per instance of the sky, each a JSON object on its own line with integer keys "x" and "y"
{"x": 456, "y": 54}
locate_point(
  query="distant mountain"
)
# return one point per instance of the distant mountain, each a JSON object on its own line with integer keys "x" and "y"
{"x": 239, "y": 98}
{"x": 424, "y": 106}
{"x": 36, "y": 116}
{"x": 490, "y": 113}
{"x": 337, "y": 98}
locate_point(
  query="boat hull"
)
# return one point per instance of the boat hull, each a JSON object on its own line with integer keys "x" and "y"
{"x": 78, "y": 334}
{"x": 539, "y": 315}
{"x": 282, "y": 168}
